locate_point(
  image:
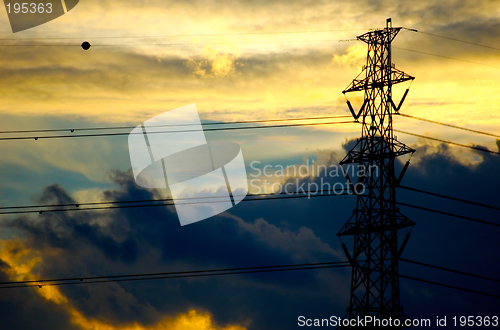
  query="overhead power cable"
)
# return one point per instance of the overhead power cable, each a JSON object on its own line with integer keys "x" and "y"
{"x": 450, "y": 286}
{"x": 447, "y": 57}
{"x": 165, "y": 202}
{"x": 178, "y": 44}
{"x": 450, "y": 270}
{"x": 235, "y": 128}
{"x": 119, "y": 202}
{"x": 449, "y": 125}
{"x": 209, "y": 272}
{"x": 182, "y": 35}
{"x": 169, "y": 275}
{"x": 230, "y": 43}
{"x": 442, "y": 284}
{"x": 232, "y": 34}
{"x": 179, "y": 131}
{"x": 450, "y": 214}
{"x": 168, "y": 202}
{"x": 254, "y": 196}
{"x": 454, "y": 39}
{"x": 451, "y": 198}
{"x": 449, "y": 142}
{"x": 173, "y": 125}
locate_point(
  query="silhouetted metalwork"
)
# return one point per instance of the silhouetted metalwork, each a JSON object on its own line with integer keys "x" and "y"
{"x": 376, "y": 220}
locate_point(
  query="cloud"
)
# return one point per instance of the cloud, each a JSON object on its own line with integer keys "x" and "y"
{"x": 355, "y": 56}
{"x": 267, "y": 76}
{"x": 20, "y": 263}
{"x": 145, "y": 240}
{"x": 191, "y": 320}
{"x": 216, "y": 63}
{"x": 300, "y": 245}
{"x": 151, "y": 240}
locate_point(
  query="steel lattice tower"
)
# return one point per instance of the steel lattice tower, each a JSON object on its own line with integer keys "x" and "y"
{"x": 376, "y": 220}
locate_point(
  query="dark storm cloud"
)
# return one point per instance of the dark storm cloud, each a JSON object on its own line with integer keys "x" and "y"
{"x": 142, "y": 240}
{"x": 25, "y": 309}
{"x": 3, "y": 266}
{"x": 53, "y": 194}
{"x": 436, "y": 239}
{"x": 150, "y": 239}
{"x": 452, "y": 242}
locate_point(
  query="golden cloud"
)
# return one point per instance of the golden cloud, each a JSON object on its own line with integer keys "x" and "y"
{"x": 354, "y": 57}
{"x": 216, "y": 62}
{"x": 24, "y": 263}
{"x": 192, "y": 320}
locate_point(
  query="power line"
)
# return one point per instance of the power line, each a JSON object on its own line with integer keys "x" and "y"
{"x": 232, "y": 128}
{"x": 449, "y": 125}
{"x": 77, "y": 204}
{"x": 153, "y": 200}
{"x": 229, "y": 271}
{"x": 202, "y": 273}
{"x": 450, "y": 286}
{"x": 173, "y": 125}
{"x": 158, "y": 202}
{"x": 451, "y": 198}
{"x": 454, "y": 39}
{"x": 169, "y": 202}
{"x": 437, "y": 283}
{"x": 447, "y": 57}
{"x": 162, "y": 132}
{"x": 231, "y": 34}
{"x": 178, "y": 44}
{"x": 101, "y": 203}
{"x": 168, "y": 275}
{"x": 121, "y": 202}
{"x": 272, "y": 197}
{"x": 449, "y": 142}
{"x": 239, "y": 42}
{"x": 450, "y": 214}
{"x": 184, "y": 35}
{"x": 451, "y": 270}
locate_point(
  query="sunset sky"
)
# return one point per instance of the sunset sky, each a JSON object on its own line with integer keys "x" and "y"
{"x": 237, "y": 61}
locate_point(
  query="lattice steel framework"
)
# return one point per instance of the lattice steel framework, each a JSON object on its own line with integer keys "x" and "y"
{"x": 376, "y": 220}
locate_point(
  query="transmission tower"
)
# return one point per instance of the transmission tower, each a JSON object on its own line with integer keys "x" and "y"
{"x": 376, "y": 220}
